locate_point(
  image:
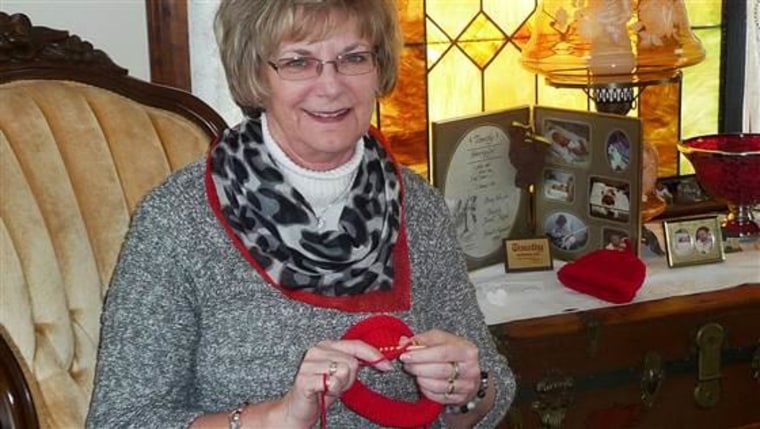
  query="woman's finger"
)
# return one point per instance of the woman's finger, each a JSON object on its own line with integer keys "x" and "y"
{"x": 364, "y": 353}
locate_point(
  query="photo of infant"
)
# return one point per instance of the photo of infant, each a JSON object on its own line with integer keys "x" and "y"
{"x": 559, "y": 185}
{"x": 609, "y": 199}
{"x": 615, "y": 239}
{"x": 569, "y": 142}
{"x": 682, "y": 242}
{"x": 704, "y": 240}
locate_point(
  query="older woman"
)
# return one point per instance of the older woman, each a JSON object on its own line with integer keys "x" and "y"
{"x": 246, "y": 289}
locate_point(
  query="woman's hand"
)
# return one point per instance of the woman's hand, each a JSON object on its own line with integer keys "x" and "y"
{"x": 447, "y": 367}
{"x": 330, "y": 367}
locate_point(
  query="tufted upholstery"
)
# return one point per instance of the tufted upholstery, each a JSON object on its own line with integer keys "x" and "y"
{"x": 75, "y": 158}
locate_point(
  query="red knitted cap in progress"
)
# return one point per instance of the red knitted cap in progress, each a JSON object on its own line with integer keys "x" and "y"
{"x": 384, "y": 332}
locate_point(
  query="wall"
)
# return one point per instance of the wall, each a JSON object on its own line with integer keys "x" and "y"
{"x": 207, "y": 74}
{"x": 118, "y": 27}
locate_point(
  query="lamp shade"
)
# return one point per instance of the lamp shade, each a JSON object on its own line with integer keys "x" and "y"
{"x": 582, "y": 42}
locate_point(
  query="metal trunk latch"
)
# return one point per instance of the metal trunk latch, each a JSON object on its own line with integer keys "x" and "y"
{"x": 652, "y": 377}
{"x": 554, "y": 397}
{"x": 709, "y": 341}
{"x": 593, "y": 327}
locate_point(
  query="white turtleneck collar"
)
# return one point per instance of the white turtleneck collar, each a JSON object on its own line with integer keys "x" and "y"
{"x": 320, "y": 188}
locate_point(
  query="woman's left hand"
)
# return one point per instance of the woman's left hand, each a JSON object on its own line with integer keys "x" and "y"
{"x": 447, "y": 367}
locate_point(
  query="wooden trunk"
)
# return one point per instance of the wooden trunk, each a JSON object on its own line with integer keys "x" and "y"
{"x": 682, "y": 362}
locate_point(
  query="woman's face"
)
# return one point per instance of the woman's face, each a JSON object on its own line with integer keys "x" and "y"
{"x": 318, "y": 121}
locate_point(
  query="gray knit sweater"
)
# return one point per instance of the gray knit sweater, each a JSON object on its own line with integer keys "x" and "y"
{"x": 190, "y": 328}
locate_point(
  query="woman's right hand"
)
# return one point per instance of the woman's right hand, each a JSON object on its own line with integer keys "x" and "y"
{"x": 340, "y": 362}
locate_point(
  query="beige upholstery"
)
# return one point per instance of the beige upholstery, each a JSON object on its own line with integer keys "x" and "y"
{"x": 75, "y": 159}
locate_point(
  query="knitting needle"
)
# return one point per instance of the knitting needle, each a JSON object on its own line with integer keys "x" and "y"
{"x": 395, "y": 348}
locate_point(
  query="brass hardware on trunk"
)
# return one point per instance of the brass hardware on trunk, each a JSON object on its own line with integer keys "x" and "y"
{"x": 592, "y": 330}
{"x": 709, "y": 346}
{"x": 554, "y": 396}
{"x": 651, "y": 378}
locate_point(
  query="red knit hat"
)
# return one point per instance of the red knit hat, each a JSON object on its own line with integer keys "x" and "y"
{"x": 384, "y": 332}
{"x": 612, "y": 275}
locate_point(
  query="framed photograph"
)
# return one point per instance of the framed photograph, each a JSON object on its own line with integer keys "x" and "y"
{"x": 684, "y": 196}
{"x": 470, "y": 165}
{"x": 589, "y": 195}
{"x": 693, "y": 241}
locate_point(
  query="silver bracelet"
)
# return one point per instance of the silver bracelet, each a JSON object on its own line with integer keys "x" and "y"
{"x": 466, "y": 408}
{"x": 234, "y": 419}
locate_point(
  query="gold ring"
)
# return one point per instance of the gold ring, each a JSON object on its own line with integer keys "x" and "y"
{"x": 454, "y": 371}
{"x": 451, "y": 389}
{"x": 332, "y": 369}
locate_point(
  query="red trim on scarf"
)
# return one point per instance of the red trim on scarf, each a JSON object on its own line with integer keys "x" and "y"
{"x": 398, "y": 298}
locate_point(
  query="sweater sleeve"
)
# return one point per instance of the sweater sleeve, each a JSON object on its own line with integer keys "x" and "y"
{"x": 144, "y": 375}
{"x": 450, "y": 292}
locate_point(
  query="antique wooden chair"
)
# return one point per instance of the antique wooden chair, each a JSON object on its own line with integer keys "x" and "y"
{"x": 81, "y": 142}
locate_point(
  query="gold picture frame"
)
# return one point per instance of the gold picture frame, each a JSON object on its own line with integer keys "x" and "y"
{"x": 693, "y": 241}
{"x": 471, "y": 166}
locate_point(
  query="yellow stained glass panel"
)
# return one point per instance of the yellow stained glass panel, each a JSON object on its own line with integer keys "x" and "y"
{"x": 463, "y": 57}
{"x": 565, "y": 98}
{"x": 481, "y": 40}
{"x": 701, "y": 86}
{"x": 507, "y": 83}
{"x": 452, "y": 15}
{"x": 438, "y": 44}
{"x": 509, "y": 15}
{"x": 455, "y": 87}
{"x": 705, "y": 12}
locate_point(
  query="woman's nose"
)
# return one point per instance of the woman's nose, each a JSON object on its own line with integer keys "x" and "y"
{"x": 329, "y": 80}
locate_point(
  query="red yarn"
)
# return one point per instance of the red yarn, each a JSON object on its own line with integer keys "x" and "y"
{"x": 384, "y": 332}
{"x": 322, "y": 403}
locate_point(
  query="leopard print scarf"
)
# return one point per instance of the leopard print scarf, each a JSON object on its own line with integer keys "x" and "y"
{"x": 279, "y": 228}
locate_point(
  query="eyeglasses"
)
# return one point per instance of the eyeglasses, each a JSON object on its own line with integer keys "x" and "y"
{"x": 303, "y": 68}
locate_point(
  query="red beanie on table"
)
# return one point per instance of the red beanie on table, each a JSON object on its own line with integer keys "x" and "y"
{"x": 611, "y": 275}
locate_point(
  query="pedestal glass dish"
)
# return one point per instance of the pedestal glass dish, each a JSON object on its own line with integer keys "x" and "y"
{"x": 728, "y": 168}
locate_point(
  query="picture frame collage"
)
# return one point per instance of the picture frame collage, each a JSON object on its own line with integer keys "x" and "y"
{"x": 586, "y": 196}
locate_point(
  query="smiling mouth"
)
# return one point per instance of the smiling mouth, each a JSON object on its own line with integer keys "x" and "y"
{"x": 336, "y": 114}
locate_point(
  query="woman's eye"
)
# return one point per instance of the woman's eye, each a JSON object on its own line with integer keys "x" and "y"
{"x": 356, "y": 58}
{"x": 295, "y": 63}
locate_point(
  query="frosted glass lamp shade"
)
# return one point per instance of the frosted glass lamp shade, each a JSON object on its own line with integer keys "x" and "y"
{"x": 581, "y": 42}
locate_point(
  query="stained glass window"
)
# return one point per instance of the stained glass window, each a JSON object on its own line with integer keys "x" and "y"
{"x": 462, "y": 57}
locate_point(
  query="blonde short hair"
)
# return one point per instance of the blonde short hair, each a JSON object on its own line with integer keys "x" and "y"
{"x": 248, "y": 32}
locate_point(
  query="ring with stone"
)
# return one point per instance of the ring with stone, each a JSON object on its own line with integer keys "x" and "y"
{"x": 332, "y": 369}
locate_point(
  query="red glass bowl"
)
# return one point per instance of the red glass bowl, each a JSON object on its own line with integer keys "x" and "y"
{"x": 728, "y": 168}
